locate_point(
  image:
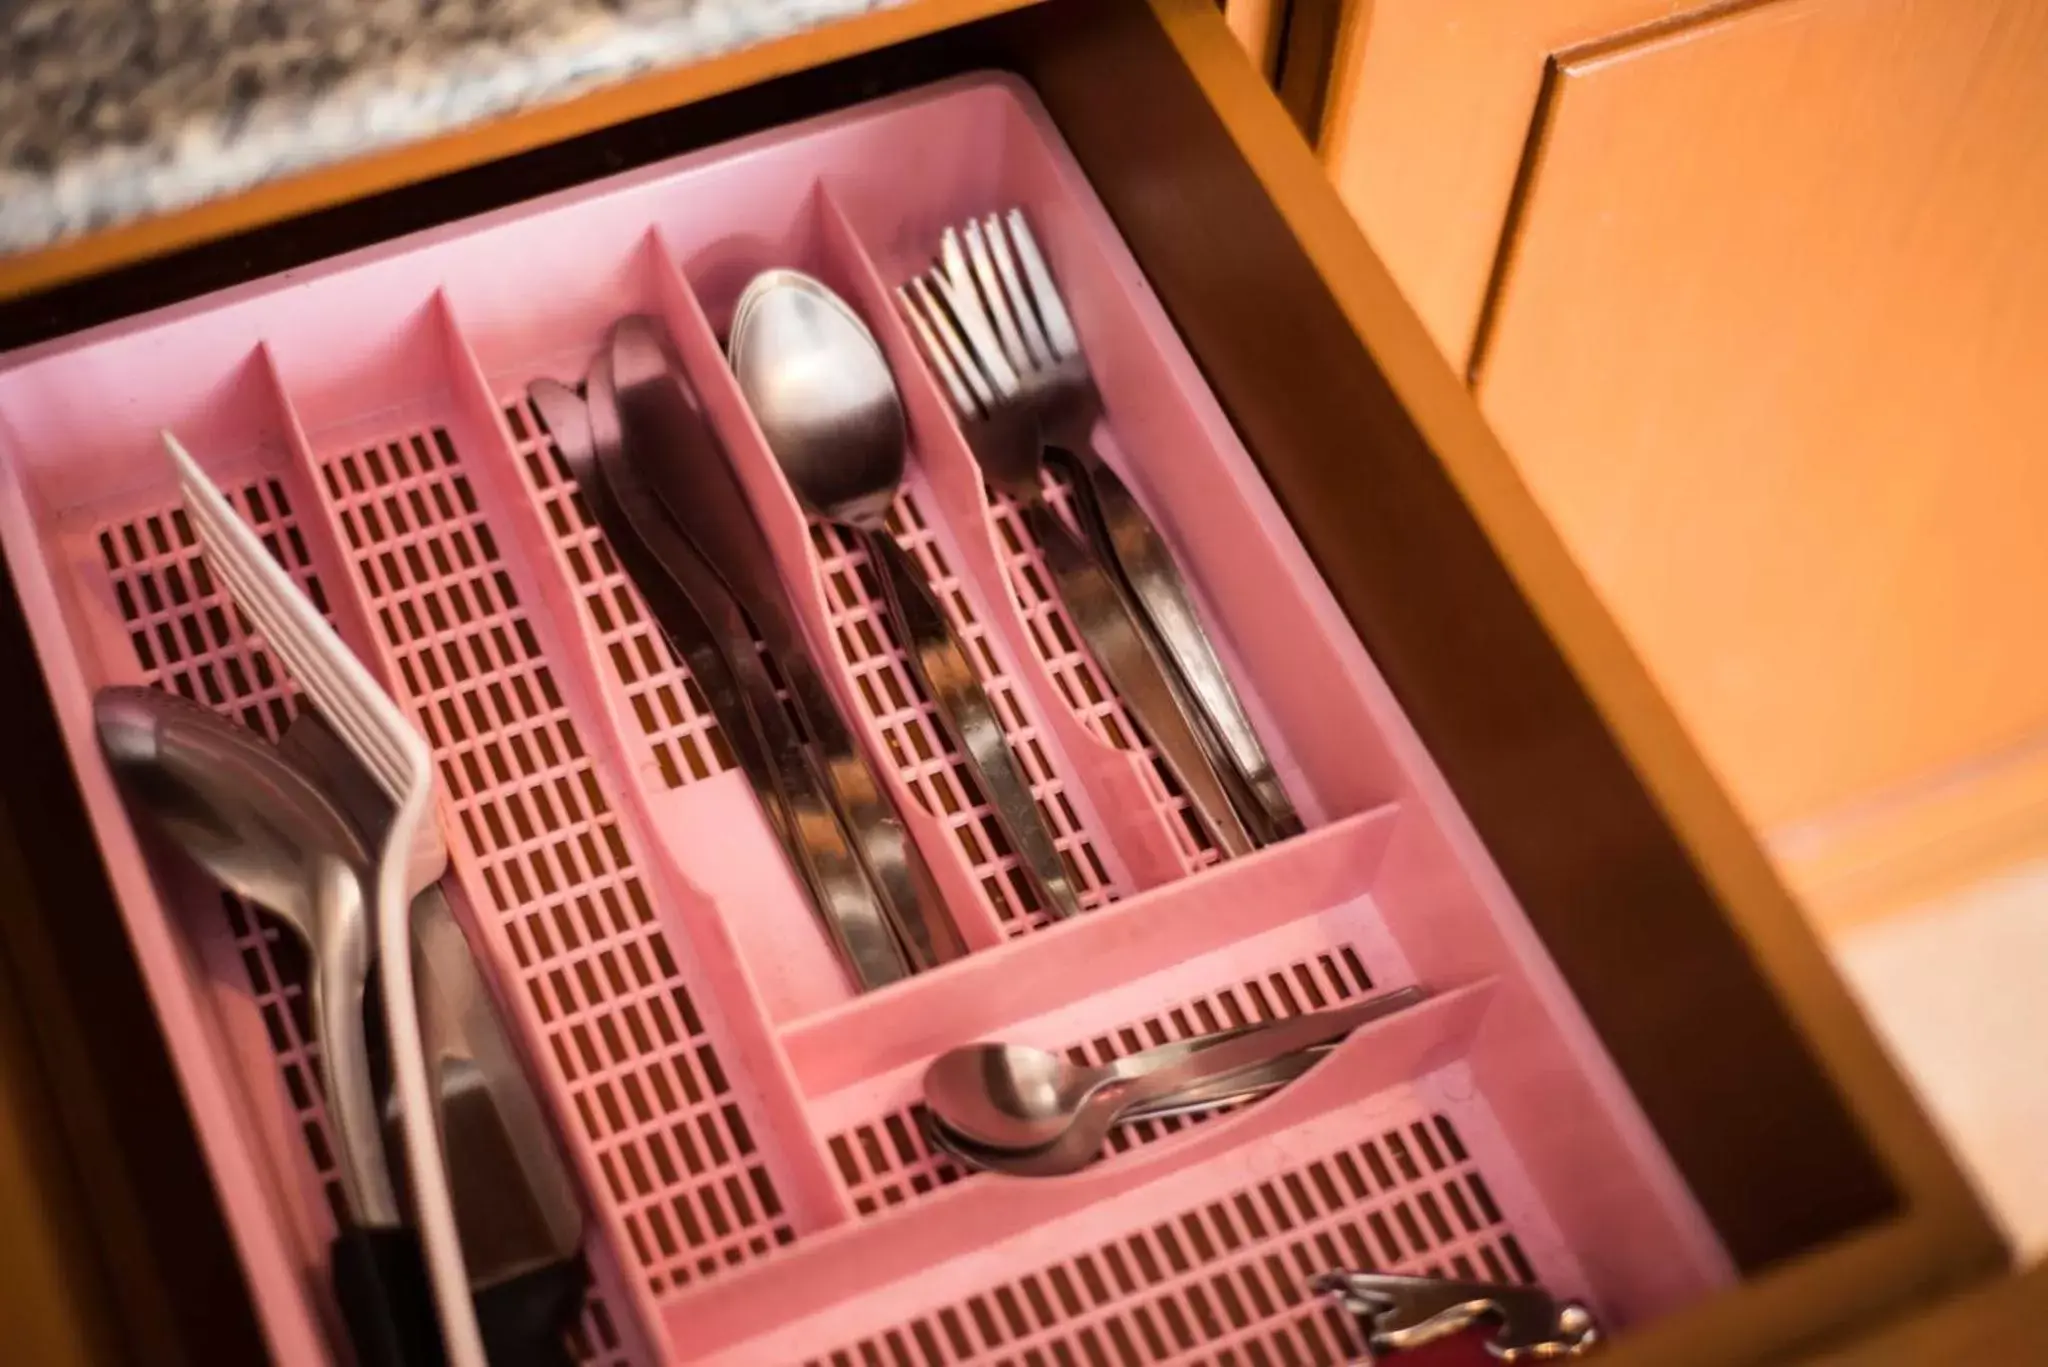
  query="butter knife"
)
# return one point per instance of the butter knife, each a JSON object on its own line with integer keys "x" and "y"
{"x": 683, "y": 461}
{"x": 698, "y": 614}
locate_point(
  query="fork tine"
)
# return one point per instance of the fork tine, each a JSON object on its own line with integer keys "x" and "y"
{"x": 953, "y": 281}
{"x": 1035, "y": 342}
{"x": 1059, "y": 327}
{"x": 993, "y": 300}
{"x": 916, "y": 300}
{"x": 241, "y": 562}
{"x": 957, "y": 290}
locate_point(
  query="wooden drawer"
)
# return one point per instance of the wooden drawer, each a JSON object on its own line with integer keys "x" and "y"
{"x": 1802, "y": 1147}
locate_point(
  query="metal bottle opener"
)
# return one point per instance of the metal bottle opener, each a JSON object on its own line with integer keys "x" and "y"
{"x": 1399, "y": 1312}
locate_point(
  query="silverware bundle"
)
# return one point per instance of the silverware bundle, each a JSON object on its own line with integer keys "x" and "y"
{"x": 404, "y": 1278}
{"x": 656, "y": 478}
{"x": 992, "y": 324}
{"x": 1014, "y": 1109}
{"x": 291, "y": 827}
{"x": 1517, "y": 1324}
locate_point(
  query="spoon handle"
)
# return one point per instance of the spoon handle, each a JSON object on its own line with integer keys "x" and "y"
{"x": 340, "y": 969}
{"x": 1244, "y": 1085}
{"x": 949, "y": 679}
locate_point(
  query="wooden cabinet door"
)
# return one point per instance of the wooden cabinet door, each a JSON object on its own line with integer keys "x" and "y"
{"x": 1756, "y": 295}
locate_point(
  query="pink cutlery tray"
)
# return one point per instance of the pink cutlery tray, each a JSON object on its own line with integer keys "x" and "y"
{"x": 746, "y": 1129}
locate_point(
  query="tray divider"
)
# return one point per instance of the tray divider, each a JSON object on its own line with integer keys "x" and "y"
{"x": 345, "y": 607}
{"x": 790, "y": 538}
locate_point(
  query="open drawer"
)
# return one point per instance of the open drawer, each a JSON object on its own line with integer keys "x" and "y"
{"x": 1637, "y": 1081}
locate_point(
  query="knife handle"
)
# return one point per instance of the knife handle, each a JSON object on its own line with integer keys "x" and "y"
{"x": 380, "y": 1279}
{"x": 525, "y": 1319}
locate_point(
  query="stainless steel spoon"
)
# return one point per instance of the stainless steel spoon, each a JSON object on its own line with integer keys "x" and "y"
{"x": 827, "y": 404}
{"x": 1250, "y": 1084}
{"x": 265, "y": 832}
{"x": 1041, "y": 1109}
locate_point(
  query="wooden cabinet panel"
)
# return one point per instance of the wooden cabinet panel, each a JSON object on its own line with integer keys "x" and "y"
{"x": 1423, "y": 131}
{"x": 1756, "y": 298}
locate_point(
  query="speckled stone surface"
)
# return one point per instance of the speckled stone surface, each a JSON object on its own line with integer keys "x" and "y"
{"x": 114, "y": 109}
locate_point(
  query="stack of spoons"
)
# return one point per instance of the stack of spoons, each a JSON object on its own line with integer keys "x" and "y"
{"x": 1015, "y": 1109}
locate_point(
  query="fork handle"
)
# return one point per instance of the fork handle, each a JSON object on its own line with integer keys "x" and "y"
{"x": 1129, "y": 539}
{"x": 1109, "y": 623}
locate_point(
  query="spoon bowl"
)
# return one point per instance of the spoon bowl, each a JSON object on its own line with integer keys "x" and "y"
{"x": 1009, "y": 1096}
{"x": 1037, "y": 1114}
{"x": 823, "y": 395}
{"x": 265, "y": 831}
{"x": 224, "y": 796}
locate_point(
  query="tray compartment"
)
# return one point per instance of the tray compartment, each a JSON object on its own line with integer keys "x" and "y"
{"x": 1407, "y": 1197}
{"x": 723, "y": 1094}
{"x": 1269, "y": 936}
{"x": 185, "y": 637}
{"x": 969, "y": 1242}
{"x": 892, "y": 1161}
{"x": 151, "y": 612}
{"x": 620, "y": 966}
{"x": 1080, "y": 782}
{"x": 1020, "y": 607}
{"x": 1231, "y": 543}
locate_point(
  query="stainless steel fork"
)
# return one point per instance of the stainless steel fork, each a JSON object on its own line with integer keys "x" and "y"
{"x": 1039, "y": 341}
{"x": 1012, "y": 345}
{"x": 413, "y": 859}
{"x": 1004, "y": 437}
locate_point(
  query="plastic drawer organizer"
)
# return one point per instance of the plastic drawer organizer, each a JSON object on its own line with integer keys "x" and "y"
{"x": 745, "y": 1128}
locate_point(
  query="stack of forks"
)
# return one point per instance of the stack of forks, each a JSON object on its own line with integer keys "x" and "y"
{"x": 992, "y": 324}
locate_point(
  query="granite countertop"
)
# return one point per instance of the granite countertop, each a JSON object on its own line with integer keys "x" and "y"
{"x": 111, "y": 110}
